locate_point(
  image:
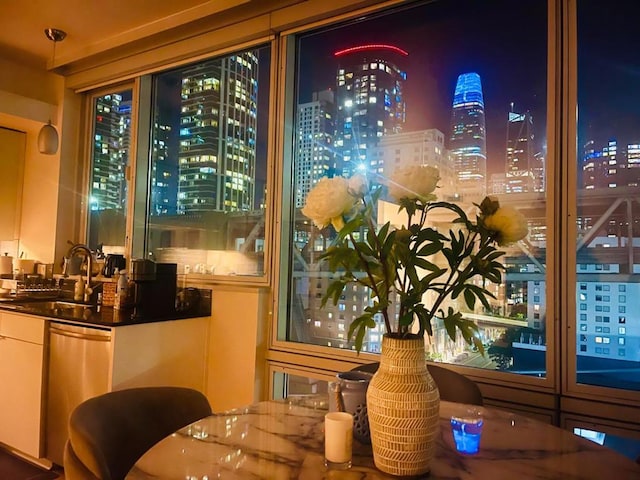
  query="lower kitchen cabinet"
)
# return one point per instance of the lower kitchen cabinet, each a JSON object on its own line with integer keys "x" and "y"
{"x": 88, "y": 360}
{"x": 22, "y": 377}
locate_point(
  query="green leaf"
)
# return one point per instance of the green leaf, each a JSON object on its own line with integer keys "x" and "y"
{"x": 430, "y": 249}
{"x": 469, "y": 298}
{"x": 359, "y": 327}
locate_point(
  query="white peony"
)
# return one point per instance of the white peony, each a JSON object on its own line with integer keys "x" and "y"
{"x": 328, "y": 201}
{"x": 508, "y": 224}
{"x": 414, "y": 181}
{"x": 358, "y": 185}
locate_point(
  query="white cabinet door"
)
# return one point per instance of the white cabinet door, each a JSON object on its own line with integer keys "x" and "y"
{"x": 21, "y": 377}
{"x": 12, "y": 151}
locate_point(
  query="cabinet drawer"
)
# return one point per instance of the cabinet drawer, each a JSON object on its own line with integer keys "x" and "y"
{"x": 22, "y": 327}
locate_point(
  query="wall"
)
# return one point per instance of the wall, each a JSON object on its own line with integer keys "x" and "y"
{"x": 28, "y": 99}
{"x": 238, "y": 340}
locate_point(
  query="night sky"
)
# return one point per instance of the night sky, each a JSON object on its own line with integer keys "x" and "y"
{"x": 504, "y": 41}
{"x": 608, "y": 72}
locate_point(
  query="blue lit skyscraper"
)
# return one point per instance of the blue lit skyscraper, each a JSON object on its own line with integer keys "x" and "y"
{"x": 468, "y": 137}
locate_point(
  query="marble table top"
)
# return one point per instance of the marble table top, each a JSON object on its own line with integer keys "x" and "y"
{"x": 285, "y": 440}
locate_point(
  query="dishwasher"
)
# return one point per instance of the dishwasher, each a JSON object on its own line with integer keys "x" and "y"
{"x": 79, "y": 362}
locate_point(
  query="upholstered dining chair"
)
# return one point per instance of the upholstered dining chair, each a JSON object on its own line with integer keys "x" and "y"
{"x": 453, "y": 386}
{"x": 110, "y": 432}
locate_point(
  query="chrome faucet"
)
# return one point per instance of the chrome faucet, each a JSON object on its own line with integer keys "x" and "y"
{"x": 77, "y": 248}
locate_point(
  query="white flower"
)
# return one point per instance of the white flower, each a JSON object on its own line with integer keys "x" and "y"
{"x": 328, "y": 201}
{"x": 508, "y": 223}
{"x": 358, "y": 185}
{"x": 413, "y": 182}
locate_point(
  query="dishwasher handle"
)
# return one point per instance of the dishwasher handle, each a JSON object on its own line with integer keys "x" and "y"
{"x": 82, "y": 336}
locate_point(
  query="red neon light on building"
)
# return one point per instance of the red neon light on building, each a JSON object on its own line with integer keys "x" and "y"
{"x": 373, "y": 46}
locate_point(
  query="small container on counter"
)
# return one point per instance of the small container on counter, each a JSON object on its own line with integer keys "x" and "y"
{"x": 6, "y": 266}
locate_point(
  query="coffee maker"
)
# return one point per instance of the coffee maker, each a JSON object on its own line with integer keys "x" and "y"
{"x": 155, "y": 288}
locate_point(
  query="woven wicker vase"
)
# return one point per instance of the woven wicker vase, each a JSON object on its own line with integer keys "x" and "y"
{"x": 403, "y": 405}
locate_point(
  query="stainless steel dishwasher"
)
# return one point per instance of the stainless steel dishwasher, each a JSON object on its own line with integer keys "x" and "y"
{"x": 79, "y": 359}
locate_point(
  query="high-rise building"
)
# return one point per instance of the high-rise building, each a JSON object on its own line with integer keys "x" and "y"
{"x": 600, "y": 167}
{"x": 315, "y": 155}
{"x": 423, "y": 147}
{"x": 218, "y": 121}
{"x": 164, "y": 175}
{"x": 369, "y": 100}
{"x": 468, "y": 137}
{"x": 520, "y": 160}
{"x": 539, "y": 170}
{"x": 110, "y": 157}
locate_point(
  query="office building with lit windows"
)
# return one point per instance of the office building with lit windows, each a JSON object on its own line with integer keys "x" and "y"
{"x": 164, "y": 175}
{"x": 218, "y": 135}
{"x": 111, "y": 147}
{"x": 468, "y": 137}
{"x": 315, "y": 153}
{"x": 369, "y": 101}
{"x": 520, "y": 153}
{"x": 610, "y": 166}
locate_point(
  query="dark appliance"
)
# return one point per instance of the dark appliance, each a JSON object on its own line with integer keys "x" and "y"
{"x": 112, "y": 263}
{"x": 155, "y": 288}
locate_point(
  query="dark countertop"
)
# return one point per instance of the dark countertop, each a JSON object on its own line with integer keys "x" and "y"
{"x": 99, "y": 314}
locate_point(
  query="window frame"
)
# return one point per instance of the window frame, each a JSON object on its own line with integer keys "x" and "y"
{"x": 306, "y": 353}
{"x": 87, "y": 166}
{"x": 569, "y": 78}
{"x": 140, "y": 154}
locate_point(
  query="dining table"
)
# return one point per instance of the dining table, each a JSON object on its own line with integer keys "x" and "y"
{"x": 284, "y": 439}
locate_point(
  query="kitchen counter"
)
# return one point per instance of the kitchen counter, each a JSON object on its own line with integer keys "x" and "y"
{"x": 101, "y": 315}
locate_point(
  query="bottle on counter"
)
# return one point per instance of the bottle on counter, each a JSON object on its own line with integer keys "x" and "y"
{"x": 122, "y": 291}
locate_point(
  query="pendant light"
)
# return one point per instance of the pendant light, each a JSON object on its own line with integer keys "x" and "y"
{"x": 48, "y": 139}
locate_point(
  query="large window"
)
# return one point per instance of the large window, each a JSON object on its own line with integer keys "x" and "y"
{"x": 201, "y": 179}
{"x": 208, "y": 176}
{"x": 459, "y": 85}
{"x": 608, "y": 192}
{"x": 109, "y": 181}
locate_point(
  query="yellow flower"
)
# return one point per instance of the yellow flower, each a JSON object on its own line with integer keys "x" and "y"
{"x": 328, "y": 201}
{"x": 414, "y": 181}
{"x": 508, "y": 224}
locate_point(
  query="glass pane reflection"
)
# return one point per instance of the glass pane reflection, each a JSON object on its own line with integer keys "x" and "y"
{"x": 427, "y": 86}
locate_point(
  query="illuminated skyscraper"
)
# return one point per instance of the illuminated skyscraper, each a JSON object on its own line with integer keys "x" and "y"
{"x": 369, "y": 101}
{"x": 110, "y": 157}
{"x": 520, "y": 159}
{"x": 468, "y": 137}
{"x": 315, "y": 157}
{"x": 164, "y": 175}
{"x": 218, "y": 135}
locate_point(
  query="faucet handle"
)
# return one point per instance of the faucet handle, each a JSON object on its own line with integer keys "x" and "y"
{"x": 65, "y": 266}
{"x": 87, "y": 293}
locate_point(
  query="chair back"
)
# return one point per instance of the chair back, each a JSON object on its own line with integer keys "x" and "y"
{"x": 453, "y": 386}
{"x": 110, "y": 432}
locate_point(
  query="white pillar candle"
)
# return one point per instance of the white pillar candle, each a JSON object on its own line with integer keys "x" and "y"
{"x": 338, "y": 438}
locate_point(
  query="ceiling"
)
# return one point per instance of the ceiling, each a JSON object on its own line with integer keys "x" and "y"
{"x": 92, "y": 26}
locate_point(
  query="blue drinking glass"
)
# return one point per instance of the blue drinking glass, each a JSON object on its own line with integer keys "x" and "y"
{"x": 467, "y": 430}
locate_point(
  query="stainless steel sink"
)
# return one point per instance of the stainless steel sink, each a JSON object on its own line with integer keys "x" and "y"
{"x": 56, "y": 308}
{"x": 60, "y": 304}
